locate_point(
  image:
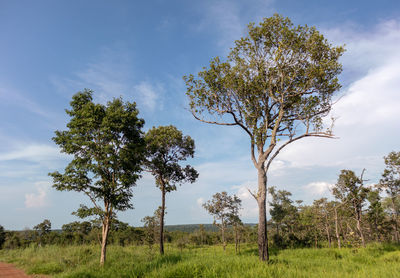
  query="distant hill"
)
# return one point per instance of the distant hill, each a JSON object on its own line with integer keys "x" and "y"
{"x": 189, "y": 228}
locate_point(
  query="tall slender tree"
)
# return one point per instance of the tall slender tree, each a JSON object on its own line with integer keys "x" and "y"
{"x": 225, "y": 210}
{"x": 166, "y": 148}
{"x": 276, "y": 85}
{"x": 350, "y": 189}
{"x": 390, "y": 182}
{"x": 107, "y": 146}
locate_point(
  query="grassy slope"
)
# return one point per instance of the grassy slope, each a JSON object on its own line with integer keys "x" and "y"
{"x": 82, "y": 261}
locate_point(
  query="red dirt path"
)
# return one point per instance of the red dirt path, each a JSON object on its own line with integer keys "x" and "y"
{"x": 9, "y": 271}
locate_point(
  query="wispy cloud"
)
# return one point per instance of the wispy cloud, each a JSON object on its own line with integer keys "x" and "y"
{"x": 149, "y": 95}
{"x": 11, "y": 96}
{"x": 32, "y": 152}
{"x": 112, "y": 75}
{"x": 230, "y": 18}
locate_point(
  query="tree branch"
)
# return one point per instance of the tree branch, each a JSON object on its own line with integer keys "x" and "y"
{"x": 211, "y": 122}
{"x": 324, "y": 135}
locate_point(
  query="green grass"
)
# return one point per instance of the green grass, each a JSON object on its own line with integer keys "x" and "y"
{"x": 377, "y": 260}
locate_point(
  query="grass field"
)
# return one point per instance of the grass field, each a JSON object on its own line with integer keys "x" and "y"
{"x": 377, "y": 260}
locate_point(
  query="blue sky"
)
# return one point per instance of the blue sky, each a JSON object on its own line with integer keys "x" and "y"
{"x": 140, "y": 50}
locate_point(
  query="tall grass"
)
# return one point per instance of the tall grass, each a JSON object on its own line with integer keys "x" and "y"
{"x": 377, "y": 260}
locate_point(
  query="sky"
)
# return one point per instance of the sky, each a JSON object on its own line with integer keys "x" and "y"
{"x": 140, "y": 50}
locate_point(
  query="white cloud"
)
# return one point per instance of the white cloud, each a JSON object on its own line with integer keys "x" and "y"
{"x": 38, "y": 199}
{"x": 319, "y": 188}
{"x": 367, "y": 49}
{"x": 200, "y": 201}
{"x": 249, "y": 204}
{"x": 367, "y": 115}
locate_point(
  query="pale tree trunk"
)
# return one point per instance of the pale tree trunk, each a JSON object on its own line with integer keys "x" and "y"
{"x": 337, "y": 228}
{"x": 262, "y": 214}
{"x": 223, "y": 234}
{"x": 236, "y": 239}
{"x": 395, "y": 227}
{"x": 162, "y": 220}
{"x": 104, "y": 236}
{"x": 328, "y": 234}
{"x": 328, "y": 230}
{"x": 358, "y": 213}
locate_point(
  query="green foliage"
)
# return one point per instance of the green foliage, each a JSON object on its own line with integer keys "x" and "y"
{"x": 107, "y": 147}
{"x": 349, "y": 188}
{"x": 166, "y": 148}
{"x": 44, "y": 227}
{"x": 151, "y": 225}
{"x": 2, "y": 236}
{"x": 282, "y": 209}
{"x": 224, "y": 208}
{"x": 391, "y": 175}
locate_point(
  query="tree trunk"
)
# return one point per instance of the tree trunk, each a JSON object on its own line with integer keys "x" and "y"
{"x": 328, "y": 235}
{"x": 262, "y": 215}
{"x": 395, "y": 217}
{"x": 236, "y": 240}
{"x": 358, "y": 213}
{"x": 223, "y": 234}
{"x": 337, "y": 228}
{"x": 162, "y": 220}
{"x": 104, "y": 236}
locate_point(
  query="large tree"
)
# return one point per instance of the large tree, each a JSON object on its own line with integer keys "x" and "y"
{"x": 277, "y": 84}
{"x": 166, "y": 149}
{"x": 107, "y": 145}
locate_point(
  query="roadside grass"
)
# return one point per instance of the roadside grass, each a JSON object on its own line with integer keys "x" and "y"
{"x": 377, "y": 260}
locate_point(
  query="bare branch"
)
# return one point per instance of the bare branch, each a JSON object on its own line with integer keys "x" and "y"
{"x": 324, "y": 135}
{"x": 252, "y": 194}
{"x": 211, "y": 122}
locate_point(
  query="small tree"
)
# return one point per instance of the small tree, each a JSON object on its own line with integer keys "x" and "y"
{"x": 2, "y": 236}
{"x": 350, "y": 189}
{"x": 107, "y": 145}
{"x": 391, "y": 183}
{"x": 282, "y": 208}
{"x": 323, "y": 211}
{"x": 375, "y": 213}
{"x": 166, "y": 148}
{"x": 43, "y": 229}
{"x": 223, "y": 208}
{"x": 151, "y": 225}
{"x": 276, "y": 84}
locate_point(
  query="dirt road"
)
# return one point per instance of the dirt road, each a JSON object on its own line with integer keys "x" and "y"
{"x": 9, "y": 271}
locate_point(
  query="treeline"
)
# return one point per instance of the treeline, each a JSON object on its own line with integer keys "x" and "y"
{"x": 359, "y": 213}
{"x": 88, "y": 232}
